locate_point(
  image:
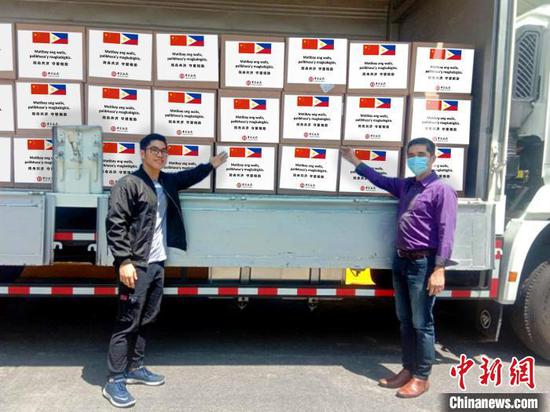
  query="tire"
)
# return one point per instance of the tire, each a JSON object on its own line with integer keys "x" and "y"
{"x": 531, "y": 312}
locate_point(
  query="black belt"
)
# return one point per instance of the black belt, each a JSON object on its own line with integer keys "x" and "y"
{"x": 415, "y": 254}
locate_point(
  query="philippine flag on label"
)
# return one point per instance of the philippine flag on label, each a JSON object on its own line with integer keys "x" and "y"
{"x": 379, "y": 49}
{"x": 442, "y": 105}
{"x": 120, "y": 148}
{"x": 254, "y": 48}
{"x": 186, "y": 98}
{"x": 49, "y": 89}
{"x": 183, "y": 150}
{"x": 372, "y": 155}
{"x": 129, "y": 39}
{"x": 317, "y": 44}
{"x": 443, "y": 153}
{"x": 255, "y": 152}
{"x": 445, "y": 54}
{"x": 49, "y": 37}
{"x": 310, "y": 153}
{"x": 249, "y": 104}
{"x": 39, "y": 144}
{"x": 313, "y": 101}
{"x": 375, "y": 102}
{"x": 119, "y": 94}
{"x": 186, "y": 40}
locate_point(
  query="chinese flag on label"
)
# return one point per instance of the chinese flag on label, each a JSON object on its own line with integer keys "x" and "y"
{"x": 175, "y": 150}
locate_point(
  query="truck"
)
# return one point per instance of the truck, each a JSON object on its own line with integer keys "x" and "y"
{"x": 53, "y": 243}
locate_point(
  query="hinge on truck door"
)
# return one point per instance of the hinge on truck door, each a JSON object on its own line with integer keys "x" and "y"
{"x": 497, "y": 168}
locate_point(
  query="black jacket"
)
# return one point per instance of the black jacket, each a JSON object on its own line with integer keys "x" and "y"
{"x": 133, "y": 209}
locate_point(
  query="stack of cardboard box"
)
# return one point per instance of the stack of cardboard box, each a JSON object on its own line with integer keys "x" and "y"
{"x": 375, "y": 111}
{"x": 440, "y": 105}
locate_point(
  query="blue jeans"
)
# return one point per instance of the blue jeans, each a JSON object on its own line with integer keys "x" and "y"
{"x": 414, "y": 311}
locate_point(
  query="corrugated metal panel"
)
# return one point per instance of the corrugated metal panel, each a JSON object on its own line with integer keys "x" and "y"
{"x": 351, "y": 18}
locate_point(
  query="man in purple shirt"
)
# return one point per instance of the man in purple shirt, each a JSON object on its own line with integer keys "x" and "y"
{"x": 425, "y": 231}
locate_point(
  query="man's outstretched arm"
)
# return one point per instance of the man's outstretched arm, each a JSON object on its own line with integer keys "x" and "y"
{"x": 188, "y": 178}
{"x": 390, "y": 184}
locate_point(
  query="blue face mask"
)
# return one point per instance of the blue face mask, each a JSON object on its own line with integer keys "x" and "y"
{"x": 417, "y": 164}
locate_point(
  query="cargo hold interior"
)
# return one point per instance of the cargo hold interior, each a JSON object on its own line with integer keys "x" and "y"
{"x": 468, "y": 22}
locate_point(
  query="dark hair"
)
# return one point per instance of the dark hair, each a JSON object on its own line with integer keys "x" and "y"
{"x": 423, "y": 141}
{"x": 146, "y": 141}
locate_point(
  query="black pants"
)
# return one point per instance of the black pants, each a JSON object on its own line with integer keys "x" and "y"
{"x": 137, "y": 309}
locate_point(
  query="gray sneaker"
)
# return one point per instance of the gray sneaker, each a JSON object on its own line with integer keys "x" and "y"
{"x": 144, "y": 376}
{"x": 115, "y": 391}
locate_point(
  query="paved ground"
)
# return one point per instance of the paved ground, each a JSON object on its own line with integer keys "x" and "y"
{"x": 270, "y": 357}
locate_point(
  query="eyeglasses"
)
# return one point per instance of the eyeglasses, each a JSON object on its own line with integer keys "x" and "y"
{"x": 158, "y": 152}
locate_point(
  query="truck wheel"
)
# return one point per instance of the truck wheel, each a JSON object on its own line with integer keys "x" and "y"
{"x": 531, "y": 312}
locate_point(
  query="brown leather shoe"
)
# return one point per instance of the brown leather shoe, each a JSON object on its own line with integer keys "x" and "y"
{"x": 396, "y": 381}
{"x": 415, "y": 387}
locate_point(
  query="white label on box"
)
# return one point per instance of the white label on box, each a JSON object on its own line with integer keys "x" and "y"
{"x": 32, "y": 160}
{"x": 445, "y": 121}
{"x": 120, "y": 55}
{"x": 254, "y": 64}
{"x": 374, "y": 119}
{"x": 247, "y": 168}
{"x": 6, "y": 47}
{"x": 443, "y": 70}
{"x": 184, "y": 113}
{"x": 5, "y": 159}
{"x": 44, "y": 105}
{"x": 244, "y": 119}
{"x": 188, "y": 156}
{"x": 309, "y": 168}
{"x": 187, "y": 57}
{"x": 312, "y": 117}
{"x": 119, "y": 159}
{"x": 317, "y": 60}
{"x": 385, "y": 162}
{"x": 50, "y": 54}
{"x": 449, "y": 166}
{"x": 122, "y": 110}
{"x": 6, "y": 108}
{"x": 378, "y": 66}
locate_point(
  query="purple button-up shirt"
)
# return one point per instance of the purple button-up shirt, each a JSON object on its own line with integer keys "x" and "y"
{"x": 426, "y": 212}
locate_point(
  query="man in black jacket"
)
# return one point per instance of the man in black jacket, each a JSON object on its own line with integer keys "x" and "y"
{"x": 143, "y": 220}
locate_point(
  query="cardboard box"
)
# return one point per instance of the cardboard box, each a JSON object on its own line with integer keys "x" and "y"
{"x": 7, "y": 107}
{"x": 186, "y": 60}
{"x": 442, "y": 68}
{"x": 308, "y": 169}
{"x": 383, "y": 160}
{"x": 249, "y": 116}
{"x": 379, "y": 67}
{"x": 374, "y": 120}
{"x": 50, "y": 52}
{"x": 120, "y": 111}
{"x": 40, "y": 106}
{"x": 32, "y": 162}
{"x": 188, "y": 155}
{"x": 252, "y": 62}
{"x": 119, "y": 159}
{"x": 443, "y": 119}
{"x": 249, "y": 168}
{"x": 312, "y": 119}
{"x": 224, "y": 273}
{"x": 450, "y": 165}
{"x": 116, "y": 56}
{"x": 260, "y": 273}
{"x": 7, "y": 51}
{"x": 316, "y": 64}
{"x": 185, "y": 113}
{"x": 6, "y": 161}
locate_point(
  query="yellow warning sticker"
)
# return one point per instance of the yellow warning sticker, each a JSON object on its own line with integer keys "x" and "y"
{"x": 359, "y": 277}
